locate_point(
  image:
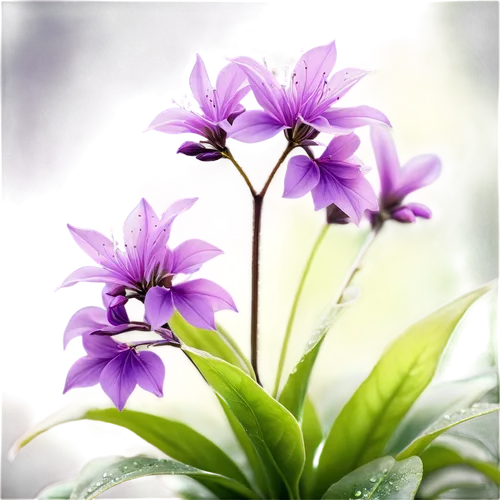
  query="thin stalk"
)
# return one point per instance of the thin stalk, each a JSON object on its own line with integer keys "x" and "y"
{"x": 258, "y": 200}
{"x": 231, "y": 158}
{"x": 295, "y": 304}
{"x": 356, "y": 264}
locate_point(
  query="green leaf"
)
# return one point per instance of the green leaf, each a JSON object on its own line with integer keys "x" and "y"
{"x": 175, "y": 439}
{"x": 364, "y": 426}
{"x": 294, "y": 392}
{"x": 448, "y": 421}
{"x": 313, "y": 436}
{"x": 436, "y": 401}
{"x": 457, "y": 482}
{"x": 273, "y": 431}
{"x": 218, "y": 343}
{"x": 383, "y": 479}
{"x": 117, "y": 471}
{"x": 59, "y": 490}
{"x": 437, "y": 456}
{"x": 256, "y": 466}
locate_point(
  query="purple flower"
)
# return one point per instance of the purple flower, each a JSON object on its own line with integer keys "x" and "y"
{"x": 149, "y": 270}
{"x": 110, "y": 321}
{"x": 335, "y": 177}
{"x": 118, "y": 367}
{"x": 305, "y": 107}
{"x": 396, "y": 182}
{"x": 219, "y": 107}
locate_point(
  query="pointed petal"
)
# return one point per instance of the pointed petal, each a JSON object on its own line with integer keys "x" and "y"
{"x": 266, "y": 89}
{"x": 313, "y": 68}
{"x": 178, "y": 121}
{"x": 357, "y": 116}
{"x": 229, "y": 81}
{"x": 232, "y": 107}
{"x": 418, "y": 172}
{"x": 149, "y": 371}
{"x": 94, "y": 244}
{"x": 138, "y": 225}
{"x": 386, "y": 158}
{"x": 191, "y": 254}
{"x": 341, "y": 147}
{"x": 302, "y": 174}
{"x": 254, "y": 126}
{"x": 340, "y": 169}
{"x": 92, "y": 274}
{"x": 197, "y": 300}
{"x": 158, "y": 306}
{"x": 353, "y": 196}
{"x": 341, "y": 82}
{"x": 85, "y": 372}
{"x": 86, "y": 320}
{"x": 202, "y": 88}
{"x": 420, "y": 210}
{"x": 100, "y": 347}
{"x": 118, "y": 379}
{"x": 403, "y": 214}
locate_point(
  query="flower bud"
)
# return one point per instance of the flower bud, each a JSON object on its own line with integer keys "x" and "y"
{"x": 191, "y": 148}
{"x": 209, "y": 155}
{"x": 336, "y": 216}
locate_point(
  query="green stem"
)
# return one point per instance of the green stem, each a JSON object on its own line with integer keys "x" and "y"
{"x": 295, "y": 304}
{"x": 231, "y": 158}
{"x": 356, "y": 264}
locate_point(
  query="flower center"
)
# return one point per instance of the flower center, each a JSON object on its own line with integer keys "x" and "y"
{"x": 166, "y": 281}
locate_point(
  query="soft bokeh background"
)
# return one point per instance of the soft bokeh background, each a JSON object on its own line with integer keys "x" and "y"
{"x": 435, "y": 103}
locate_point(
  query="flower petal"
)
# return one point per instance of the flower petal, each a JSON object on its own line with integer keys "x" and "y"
{"x": 420, "y": 210}
{"x": 85, "y": 372}
{"x": 202, "y": 89}
{"x": 403, "y": 214}
{"x": 302, "y": 174}
{"x": 341, "y": 82}
{"x": 117, "y": 314}
{"x": 118, "y": 378}
{"x": 197, "y": 300}
{"x": 386, "y": 158}
{"x": 191, "y": 254}
{"x": 178, "y": 121}
{"x": 254, "y": 126}
{"x": 95, "y": 245}
{"x": 92, "y": 274}
{"x": 341, "y": 147}
{"x": 230, "y": 79}
{"x": 100, "y": 347}
{"x": 357, "y": 116}
{"x": 86, "y": 320}
{"x": 149, "y": 371}
{"x": 266, "y": 89}
{"x": 159, "y": 306}
{"x": 352, "y": 195}
{"x": 313, "y": 68}
{"x": 418, "y": 172}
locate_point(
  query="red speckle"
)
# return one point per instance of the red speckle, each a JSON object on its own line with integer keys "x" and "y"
{"x": 150, "y": 179}
{"x": 370, "y": 55}
{"x": 73, "y": 351}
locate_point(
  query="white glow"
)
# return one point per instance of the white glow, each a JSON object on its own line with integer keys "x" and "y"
{"x": 219, "y": 221}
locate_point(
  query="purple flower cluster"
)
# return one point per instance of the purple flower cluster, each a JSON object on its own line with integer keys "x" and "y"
{"x": 303, "y": 109}
{"x": 150, "y": 271}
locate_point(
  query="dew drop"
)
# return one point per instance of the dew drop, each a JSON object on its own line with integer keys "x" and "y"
{"x": 373, "y": 479}
{"x": 462, "y": 412}
{"x": 385, "y": 471}
{"x": 447, "y": 417}
{"x": 357, "y": 493}
{"x": 105, "y": 474}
